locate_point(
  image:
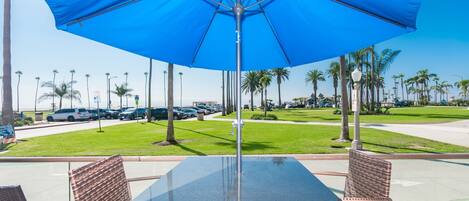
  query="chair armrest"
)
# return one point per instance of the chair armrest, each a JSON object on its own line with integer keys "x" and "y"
{"x": 329, "y": 173}
{"x": 143, "y": 178}
{"x": 367, "y": 199}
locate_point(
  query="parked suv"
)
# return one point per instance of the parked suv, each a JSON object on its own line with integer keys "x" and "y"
{"x": 162, "y": 114}
{"x": 133, "y": 113}
{"x": 69, "y": 115}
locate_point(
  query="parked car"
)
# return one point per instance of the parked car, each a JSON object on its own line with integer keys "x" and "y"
{"x": 190, "y": 112}
{"x": 111, "y": 114}
{"x": 200, "y": 110}
{"x": 162, "y": 114}
{"x": 208, "y": 109}
{"x": 133, "y": 113}
{"x": 69, "y": 115}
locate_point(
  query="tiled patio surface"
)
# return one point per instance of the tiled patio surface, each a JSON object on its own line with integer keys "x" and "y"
{"x": 412, "y": 180}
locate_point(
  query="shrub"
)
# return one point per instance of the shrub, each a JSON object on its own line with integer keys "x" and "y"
{"x": 262, "y": 117}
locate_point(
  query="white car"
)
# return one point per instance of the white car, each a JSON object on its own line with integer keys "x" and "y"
{"x": 69, "y": 115}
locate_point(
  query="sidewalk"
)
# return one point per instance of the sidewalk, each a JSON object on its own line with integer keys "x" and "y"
{"x": 456, "y": 133}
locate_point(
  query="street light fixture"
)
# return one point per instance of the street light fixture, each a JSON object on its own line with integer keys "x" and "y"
{"x": 356, "y": 77}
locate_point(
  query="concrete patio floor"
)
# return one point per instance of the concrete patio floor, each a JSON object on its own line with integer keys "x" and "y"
{"x": 412, "y": 180}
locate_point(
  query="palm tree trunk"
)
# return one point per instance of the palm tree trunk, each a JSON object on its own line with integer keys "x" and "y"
{"x": 60, "y": 103}
{"x": 344, "y": 134}
{"x": 315, "y": 98}
{"x": 335, "y": 97}
{"x": 149, "y": 91}
{"x": 88, "y": 92}
{"x": 120, "y": 102}
{"x": 223, "y": 109}
{"x": 170, "y": 132}
{"x": 252, "y": 100}
{"x": 265, "y": 103}
{"x": 279, "y": 94}
{"x": 262, "y": 98}
{"x": 350, "y": 92}
{"x": 35, "y": 97}
{"x": 372, "y": 81}
{"x": 53, "y": 92}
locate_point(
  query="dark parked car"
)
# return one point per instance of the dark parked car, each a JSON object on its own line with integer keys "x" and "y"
{"x": 162, "y": 114}
{"x": 190, "y": 112}
{"x": 104, "y": 114}
{"x": 133, "y": 114}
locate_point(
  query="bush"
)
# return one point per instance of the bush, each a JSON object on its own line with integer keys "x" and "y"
{"x": 262, "y": 117}
{"x": 24, "y": 122}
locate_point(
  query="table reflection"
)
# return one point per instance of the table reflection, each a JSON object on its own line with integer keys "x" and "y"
{"x": 215, "y": 179}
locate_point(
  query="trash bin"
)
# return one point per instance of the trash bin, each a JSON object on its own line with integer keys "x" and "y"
{"x": 38, "y": 116}
{"x": 200, "y": 116}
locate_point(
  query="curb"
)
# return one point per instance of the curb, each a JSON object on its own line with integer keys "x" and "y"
{"x": 180, "y": 158}
{"x": 48, "y": 126}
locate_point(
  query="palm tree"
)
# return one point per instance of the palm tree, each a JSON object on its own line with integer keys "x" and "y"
{"x": 281, "y": 74}
{"x": 170, "y": 132}
{"x": 334, "y": 73}
{"x": 436, "y": 87}
{"x": 149, "y": 91}
{"x": 19, "y": 73}
{"x": 53, "y": 83}
{"x": 382, "y": 64}
{"x": 250, "y": 85}
{"x": 260, "y": 89}
{"x": 344, "y": 134}
{"x": 264, "y": 82}
{"x": 372, "y": 84}
{"x": 423, "y": 77}
{"x": 146, "y": 84}
{"x": 7, "y": 105}
{"x": 88, "y": 90}
{"x": 396, "y": 91}
{"x": 61, "y": 91}
{"x": 35, "y": 96}
{"x": 314, "y": 76}
{"x": 71, "y": 88}
{"x": 463, "y": 86}
{"x": 445, "y": 86}
{"x": 122, "y": 91}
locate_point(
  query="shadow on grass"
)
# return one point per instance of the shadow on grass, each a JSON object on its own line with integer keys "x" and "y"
{"x": 199, "y": 153}
{"x": 247, "y": 146}
{"x": 394, "y": 147}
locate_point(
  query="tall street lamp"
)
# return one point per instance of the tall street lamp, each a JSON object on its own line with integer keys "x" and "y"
{"x": 356, "y": 77}
{"x": 146, "y": 80}
{"x": 35, "y": 96}
{"x": 180, "y": 97}
{"x": 71, "y": 89}
{"x": 109, "y": 89}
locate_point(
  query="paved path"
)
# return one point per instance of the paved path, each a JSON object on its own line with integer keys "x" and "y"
{"x": 456, "y": 133}
{"x": 21, "y": 134}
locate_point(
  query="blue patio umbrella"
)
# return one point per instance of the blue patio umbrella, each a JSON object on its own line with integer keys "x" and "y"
{"x": 237, "y": 35}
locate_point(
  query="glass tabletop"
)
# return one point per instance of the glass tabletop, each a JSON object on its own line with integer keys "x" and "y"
{"x": 215, "y": 179}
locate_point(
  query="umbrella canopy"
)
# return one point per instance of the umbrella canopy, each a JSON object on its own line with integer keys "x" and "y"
{"x": 237, "y": 34}
{"x": 201, "y": 33}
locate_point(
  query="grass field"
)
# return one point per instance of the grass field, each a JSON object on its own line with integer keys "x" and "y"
{"x": 214, "y": 137}
{"x": 398, "y": 115}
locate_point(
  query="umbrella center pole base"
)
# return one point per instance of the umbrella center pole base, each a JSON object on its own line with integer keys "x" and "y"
{"x": 235, "y": 125}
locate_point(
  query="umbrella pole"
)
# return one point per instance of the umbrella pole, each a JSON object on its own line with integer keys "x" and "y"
{"x": 238, "y": 10}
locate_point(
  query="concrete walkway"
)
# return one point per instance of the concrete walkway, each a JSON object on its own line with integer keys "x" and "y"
{"x": 36, "y": 132}
{"x": 456, "y": 133}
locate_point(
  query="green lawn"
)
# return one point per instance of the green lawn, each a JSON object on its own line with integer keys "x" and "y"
{"x": 398, "y": 115}
{"x": 214, "y": 137}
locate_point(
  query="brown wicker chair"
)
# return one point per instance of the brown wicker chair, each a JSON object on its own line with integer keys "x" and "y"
{"x": 11, "y": 193}
{"x": 368, "y": 178}
{"x": 103, "y": 181}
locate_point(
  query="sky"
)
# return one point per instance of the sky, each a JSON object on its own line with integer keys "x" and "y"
{"x": 441, "y": 44}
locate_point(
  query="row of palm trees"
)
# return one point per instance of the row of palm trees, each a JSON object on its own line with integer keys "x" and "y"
{"x": 257, "y": 82}
{"x": 425, "y": 85}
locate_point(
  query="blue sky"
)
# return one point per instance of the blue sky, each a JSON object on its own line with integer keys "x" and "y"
{"x": 441, "y": 44}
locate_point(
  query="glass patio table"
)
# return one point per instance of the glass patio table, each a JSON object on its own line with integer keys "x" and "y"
{"x": 215, "y": 179}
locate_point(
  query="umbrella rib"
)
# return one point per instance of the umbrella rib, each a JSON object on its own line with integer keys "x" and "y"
{"x": 391, "y": 21}
{"x": 205, "y": 34}
{"x": 101, "y": 12}
{"x": 275, "y": 34}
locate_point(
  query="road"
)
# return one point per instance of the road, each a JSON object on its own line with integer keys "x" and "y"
{"x": 76, "y": 126}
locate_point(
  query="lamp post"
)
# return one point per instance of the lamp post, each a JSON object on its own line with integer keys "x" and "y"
{"x": 146, "y": 80}
{"x": 71, "y": 89}
{"x": 356, "y": 77}
{"x": 109, "y": 89}
{"x": 180, "y": 97}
